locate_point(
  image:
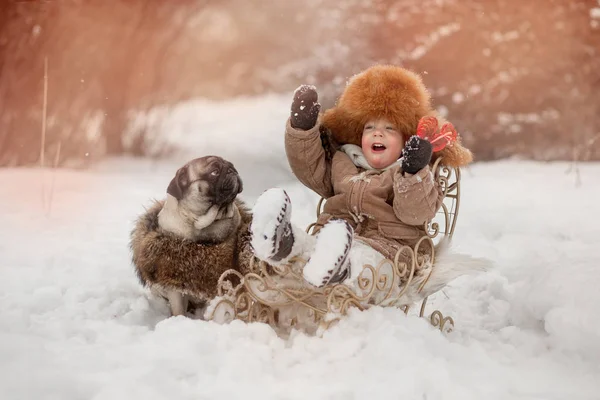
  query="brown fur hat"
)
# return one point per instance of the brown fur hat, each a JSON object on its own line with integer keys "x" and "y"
{"x": 391, "y": 92}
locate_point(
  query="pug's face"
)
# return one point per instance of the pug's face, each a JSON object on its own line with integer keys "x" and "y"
{"x": 204, "y": 182}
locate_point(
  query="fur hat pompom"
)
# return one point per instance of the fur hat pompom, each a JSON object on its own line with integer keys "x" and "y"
{"x": 390, "y": 92}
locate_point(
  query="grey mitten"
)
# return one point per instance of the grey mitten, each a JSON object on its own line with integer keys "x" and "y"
{"x": 416, "y": 154}
{"x": 305, "y": 108}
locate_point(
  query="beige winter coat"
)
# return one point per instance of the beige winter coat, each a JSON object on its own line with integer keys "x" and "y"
{"x": 387, "y": 209}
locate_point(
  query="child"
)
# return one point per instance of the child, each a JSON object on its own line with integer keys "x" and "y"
{"x": 378, "y": 184}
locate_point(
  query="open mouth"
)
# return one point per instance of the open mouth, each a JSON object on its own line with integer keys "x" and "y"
{"x": 378, "y": 148}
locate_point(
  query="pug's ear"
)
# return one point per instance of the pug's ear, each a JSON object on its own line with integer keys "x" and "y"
{"x": 179, "y": 183}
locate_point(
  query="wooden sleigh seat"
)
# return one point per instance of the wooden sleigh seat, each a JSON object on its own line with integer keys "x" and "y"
{"x": 280, "y": 297}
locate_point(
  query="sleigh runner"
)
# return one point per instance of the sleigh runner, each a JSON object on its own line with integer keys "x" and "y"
{"x": 280, "y": 297}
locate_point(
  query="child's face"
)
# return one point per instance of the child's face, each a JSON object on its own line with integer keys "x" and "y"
{"x": 381, "y": 143}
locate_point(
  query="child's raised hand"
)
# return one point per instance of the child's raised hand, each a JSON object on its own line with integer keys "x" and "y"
{"x": 305, "y": 108}
{"x": 416, "y": 154}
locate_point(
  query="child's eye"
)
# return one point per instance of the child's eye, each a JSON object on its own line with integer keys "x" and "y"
{"x": 390, "y": 128}
{"x": 368, "y": 127}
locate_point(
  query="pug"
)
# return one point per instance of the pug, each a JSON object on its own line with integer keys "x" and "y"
{"x": 199, "y": 203}
{"x": 181, "y": 245}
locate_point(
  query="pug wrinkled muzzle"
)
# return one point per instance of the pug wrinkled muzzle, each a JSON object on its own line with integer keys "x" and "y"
{"x": 228, "y": 187}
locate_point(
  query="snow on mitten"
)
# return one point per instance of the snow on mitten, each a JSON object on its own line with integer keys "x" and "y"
{"x": 305, "y": 108}
{"x": 416, "y": 154}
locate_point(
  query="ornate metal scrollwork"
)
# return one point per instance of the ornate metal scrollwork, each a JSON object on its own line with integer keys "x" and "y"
{"x": 280, "y": 297}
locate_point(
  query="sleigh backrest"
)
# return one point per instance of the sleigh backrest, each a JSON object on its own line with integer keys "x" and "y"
{"x": 444, "y": 223}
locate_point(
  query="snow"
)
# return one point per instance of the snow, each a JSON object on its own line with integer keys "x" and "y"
{"x": 474, "y": 89}
{"x": 76, "y": 324}
{"x": 428, "y": 41}
{"x": 500, "y": 37}
{"x": 458, "y": 97}
{"x": 528, "y": 118}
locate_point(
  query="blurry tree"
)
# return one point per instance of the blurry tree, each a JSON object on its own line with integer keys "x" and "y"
{"x": 517, "y": 78}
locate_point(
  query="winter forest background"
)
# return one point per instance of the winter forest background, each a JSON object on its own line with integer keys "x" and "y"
{"x": 119, "y": 94}
{"x": 518, "y": 78}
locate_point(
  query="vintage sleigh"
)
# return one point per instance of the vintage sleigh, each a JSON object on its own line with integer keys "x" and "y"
{"x": 279, "y": 296}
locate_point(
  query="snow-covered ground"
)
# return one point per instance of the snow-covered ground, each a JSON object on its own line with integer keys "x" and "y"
{"x": 76, "y": 324}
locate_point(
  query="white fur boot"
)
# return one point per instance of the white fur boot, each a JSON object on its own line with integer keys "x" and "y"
{"x": 274, "y": 239}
